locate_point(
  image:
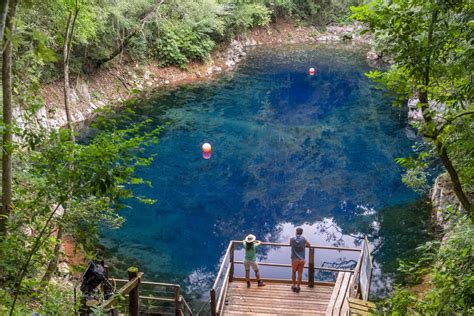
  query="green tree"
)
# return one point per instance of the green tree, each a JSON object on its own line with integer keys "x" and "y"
{"x": 7, "y": 141}
{"x": 430, "y": 44}
{"x": 96, "y": 190}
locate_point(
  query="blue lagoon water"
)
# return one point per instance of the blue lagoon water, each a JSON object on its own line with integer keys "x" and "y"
{"x": 289, "y": 150}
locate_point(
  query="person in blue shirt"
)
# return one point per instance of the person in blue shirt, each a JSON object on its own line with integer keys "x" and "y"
{"x": 298, "y": 245}
{"x": 250, "y": 245}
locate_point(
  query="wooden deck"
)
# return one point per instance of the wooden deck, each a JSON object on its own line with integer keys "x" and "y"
{"x": 230, "y": 296}
{"x": 276, "y": 299}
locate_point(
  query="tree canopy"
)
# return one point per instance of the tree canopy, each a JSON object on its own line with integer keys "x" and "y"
{"x": 430, "y": 45}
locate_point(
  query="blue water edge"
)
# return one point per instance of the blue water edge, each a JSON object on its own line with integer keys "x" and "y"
{"x": 289, "y": 150}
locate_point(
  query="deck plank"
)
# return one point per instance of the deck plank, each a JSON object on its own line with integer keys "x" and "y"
{"x": 276, "y": 299}
{"x": 345, "y": 305}
{"x": 342, "y": 294}
{"x": 335, "y": 292}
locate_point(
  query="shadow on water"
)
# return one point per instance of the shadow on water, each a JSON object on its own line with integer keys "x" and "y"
{"x": 289, "y": 150}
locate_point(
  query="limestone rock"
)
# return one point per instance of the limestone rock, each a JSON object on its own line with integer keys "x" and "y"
{"x": 147, "y": 75}
{"x": 250, "y": 42}
{"x": 234, "y": 54}
{"x": 371, "y": 55}
{"x": 415, "y": 114}
{"x": 63, "y": 269}
{"x": 82, "y": 90}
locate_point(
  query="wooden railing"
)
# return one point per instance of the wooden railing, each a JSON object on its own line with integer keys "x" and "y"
{"x": 225, "y": 274}
{"x": 140, "y": 292}
{"x": 360, "y": 284}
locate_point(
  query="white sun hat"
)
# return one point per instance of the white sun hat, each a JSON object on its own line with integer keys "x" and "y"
{"x": 250, "y": 238}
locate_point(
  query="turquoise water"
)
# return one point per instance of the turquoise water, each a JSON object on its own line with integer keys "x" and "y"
{"x": 289, "y": 150}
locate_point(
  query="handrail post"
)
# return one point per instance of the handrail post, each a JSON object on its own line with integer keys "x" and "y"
{"x": 231, "y": 263}
{"x": 311, "y": 268}
{"x": 177, "y": 295}
{"x": 213, "y": 303}
{"x": 133, "y": 296}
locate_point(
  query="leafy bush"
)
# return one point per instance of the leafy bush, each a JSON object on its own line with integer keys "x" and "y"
{"x": 54, "y": 299}
{"x": 400, "y": 302}
{"x": 179, "y": 45}
{"x": 240, "y": 18}
{"x": 450, "y": 279}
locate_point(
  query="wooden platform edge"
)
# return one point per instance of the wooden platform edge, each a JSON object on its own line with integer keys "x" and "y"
{"x": 284, "y": 281}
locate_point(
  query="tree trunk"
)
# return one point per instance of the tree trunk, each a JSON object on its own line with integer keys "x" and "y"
{"x": 462, "y": 197}
{"x": 53, "y": 263}
{"x": 443, "y": 154}
{"x": 3, "y": 17}
{"x": 428, "y": 118}
{"x": 7, "y": 145}
{"x": 66, "y": 52}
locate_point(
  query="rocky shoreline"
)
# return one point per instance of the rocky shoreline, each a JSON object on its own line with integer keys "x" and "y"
{"x": 123, "y": 78}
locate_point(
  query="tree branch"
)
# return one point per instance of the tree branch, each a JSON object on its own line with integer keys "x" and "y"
{"x": 449, "y": 121}
{"x": 127, "y": 38}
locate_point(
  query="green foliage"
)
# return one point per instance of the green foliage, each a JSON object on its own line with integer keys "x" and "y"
{"x": 99, "y": 175}
{"x": 400, "y": 302}
{"x": 174, "y": 32}
{"x": 429, "y": 42}
{"x": 240, "y": 18}
{"x": 54, "y": 299}
{"x": 450, "y": 278}
{"x": 417, "y": 169}
{"x": 179, "y": 45}
{"x": 459, "y": 142}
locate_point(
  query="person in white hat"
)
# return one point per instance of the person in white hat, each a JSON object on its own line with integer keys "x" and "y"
{"x": 250, "y": 245}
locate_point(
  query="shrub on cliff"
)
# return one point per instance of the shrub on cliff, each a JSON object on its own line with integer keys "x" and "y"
{"x": 177, "y": 45}
{"x": 450, "y": 279}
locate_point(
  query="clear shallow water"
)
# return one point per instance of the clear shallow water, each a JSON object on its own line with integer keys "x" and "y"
{"x": 289, "y": 150}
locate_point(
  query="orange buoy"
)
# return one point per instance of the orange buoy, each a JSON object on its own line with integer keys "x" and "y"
{"x": 312, "y": 71}
{"x": 206, "y": 148}
{"x": 206, "y": 155}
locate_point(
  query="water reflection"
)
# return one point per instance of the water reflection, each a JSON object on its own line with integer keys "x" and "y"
{"x": 290, "y": 150}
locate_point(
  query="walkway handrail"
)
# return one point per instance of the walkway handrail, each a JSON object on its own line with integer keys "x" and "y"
{"x": 217, "y": 302}
{"x": 186, "y": 307}
{"x": 287, "y": 265}
{"x": 222, "y": 265}
{"x": 264, "y": 243}
{"x": 181, "y": 307}
{"x": 130, "y": 287}
{"x": 218, "y": 291}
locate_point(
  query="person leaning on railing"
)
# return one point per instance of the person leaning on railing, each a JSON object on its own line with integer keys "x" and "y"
{"x": 298, "y": 244}
{"x": 250, "y": 245}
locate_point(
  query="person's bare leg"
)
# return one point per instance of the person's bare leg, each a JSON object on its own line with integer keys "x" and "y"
{"x": 257, "y": 275}
{"x": 300, "y": 275}
{"x": 293, "y": 277}
{"x": 247, "y": 275}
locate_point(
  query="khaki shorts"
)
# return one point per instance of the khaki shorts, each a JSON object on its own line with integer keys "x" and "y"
{"x": 248, "y": 264}
{"x": 297, "y": 265}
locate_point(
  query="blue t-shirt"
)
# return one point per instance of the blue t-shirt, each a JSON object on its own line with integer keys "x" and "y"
{"x": 298, "y": 244}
